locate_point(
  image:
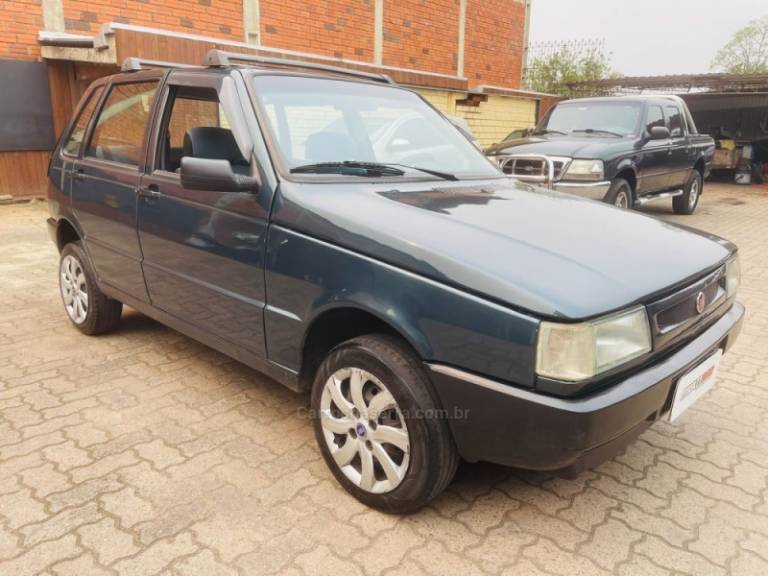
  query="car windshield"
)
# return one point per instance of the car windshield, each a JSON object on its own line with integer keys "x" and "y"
{"x": 614, "y": 119}
{"x": 327, "y": 126}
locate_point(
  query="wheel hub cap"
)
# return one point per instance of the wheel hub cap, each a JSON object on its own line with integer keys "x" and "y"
{"x": 364, "y": 430}
{"x": 74, "y": 290}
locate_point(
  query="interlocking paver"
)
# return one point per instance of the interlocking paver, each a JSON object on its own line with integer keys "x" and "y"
{"x": 144, "y": 452}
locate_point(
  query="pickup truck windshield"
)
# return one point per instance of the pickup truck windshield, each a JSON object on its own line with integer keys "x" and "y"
{"x": 321, "y": 122}
{"x": 606, "y": 119}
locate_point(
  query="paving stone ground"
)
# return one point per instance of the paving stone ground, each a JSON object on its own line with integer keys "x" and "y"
{"x": 144, "y": 452}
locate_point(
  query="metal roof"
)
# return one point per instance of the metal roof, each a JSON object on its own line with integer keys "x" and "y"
{"x": 679, "y": 83}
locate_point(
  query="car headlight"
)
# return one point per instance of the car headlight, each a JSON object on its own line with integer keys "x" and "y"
{"x": 574, "y": 352}
{"x": 589, "y": 170}
{"x": 732, "y": 276}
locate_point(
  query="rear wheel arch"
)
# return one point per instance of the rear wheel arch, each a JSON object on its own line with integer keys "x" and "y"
{"x": 66, "y": 233}
{"x": 339, "y": 324}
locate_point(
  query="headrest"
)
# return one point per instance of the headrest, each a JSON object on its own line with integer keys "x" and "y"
{"x": 214, "y": 143}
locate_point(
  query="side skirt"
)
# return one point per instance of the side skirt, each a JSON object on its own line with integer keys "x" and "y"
{"x": 284, "y": 376}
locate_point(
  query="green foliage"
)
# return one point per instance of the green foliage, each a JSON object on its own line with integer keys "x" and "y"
{"x": 551, "y": 73}
{"x": 747, "y": 52}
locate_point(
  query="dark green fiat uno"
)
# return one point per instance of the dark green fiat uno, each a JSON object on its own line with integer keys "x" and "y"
{"x": 336, "y": 232}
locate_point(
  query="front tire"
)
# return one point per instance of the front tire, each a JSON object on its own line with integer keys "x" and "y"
{"x": 89, "y": 310}
{"x": 686, "y": 204}
{"x": 378, "y": 425}
{"x": 620, "y": 194}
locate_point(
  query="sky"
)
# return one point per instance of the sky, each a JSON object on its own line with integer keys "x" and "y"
{"x": 647, "y": 37}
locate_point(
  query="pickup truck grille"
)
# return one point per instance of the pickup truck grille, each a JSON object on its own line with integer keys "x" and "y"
{"x": 673, "y": 316}
{"x": 532, "y": 169}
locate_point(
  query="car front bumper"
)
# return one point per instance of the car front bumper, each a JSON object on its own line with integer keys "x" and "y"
{"x": 503, "y": 424}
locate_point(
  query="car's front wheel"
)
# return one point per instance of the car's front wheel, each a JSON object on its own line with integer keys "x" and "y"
{"x": 687, "y": 202}
{"x": 379, "y": 425}
{"x": 620, "y": 194}
{"x": 87, "y": 307}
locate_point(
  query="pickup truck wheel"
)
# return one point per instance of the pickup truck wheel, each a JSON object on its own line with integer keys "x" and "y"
{"x": 620, "y": 194}
{"x": 687, "y": 202}
{"x": 378, "y": 425}
{"x": 87, "y": 307}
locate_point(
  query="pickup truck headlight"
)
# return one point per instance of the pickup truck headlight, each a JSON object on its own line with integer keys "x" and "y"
{"x": 587, "y": 170}
{"x": 574, "y": 352}
{"x": 732, "y": 276}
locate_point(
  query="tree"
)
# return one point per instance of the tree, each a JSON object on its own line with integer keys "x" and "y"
{"x": 551, "y": 73}
{"x": 747, "y": 52}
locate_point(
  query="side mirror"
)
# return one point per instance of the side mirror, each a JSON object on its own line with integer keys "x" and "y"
{"x": 215, "y": 175}
{"x": 660, "y": 133}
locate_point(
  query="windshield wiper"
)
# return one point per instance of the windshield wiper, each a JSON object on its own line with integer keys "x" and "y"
{"x": 356, "y": 168}
{"x": 349, "y": 168}
{"x": 443, "y": 175}
{"x": 550, "y": 131}
{"x": 599, "y": 131}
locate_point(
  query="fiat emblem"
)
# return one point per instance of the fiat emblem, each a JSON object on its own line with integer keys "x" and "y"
{"x": 701, "y": 302}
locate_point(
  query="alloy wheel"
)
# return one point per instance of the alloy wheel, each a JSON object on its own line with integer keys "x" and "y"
{"x": 364, "y": 430}
{"x": 693, "y": 194}
{"x": 74, "y": 290}
{"x": 622, "y": 200}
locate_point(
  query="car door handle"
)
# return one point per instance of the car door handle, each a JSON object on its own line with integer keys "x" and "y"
{"x": 78, "y": 174}
{"x": 150, "y": 194}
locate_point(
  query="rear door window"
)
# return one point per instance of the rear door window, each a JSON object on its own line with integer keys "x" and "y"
{"x": 119, "y": 132}
{"x": 77, "y": 135}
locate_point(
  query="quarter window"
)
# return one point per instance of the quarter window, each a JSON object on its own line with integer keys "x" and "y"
{"x": 675, "y": 121}
{"x": 119, "y": 131}
{"x": 655, "y": 118}
{"x": 75, "y": 140}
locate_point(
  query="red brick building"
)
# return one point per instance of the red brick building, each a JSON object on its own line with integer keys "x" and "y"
{"x": 465, "y": 56}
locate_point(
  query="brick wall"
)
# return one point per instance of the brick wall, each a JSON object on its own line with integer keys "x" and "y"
{"x": 340, "y": 28}
{"x": 19, "y": 22}
{"x": 219, "y": 18}
{"x": 422, "y": 34}
{"x": 493, "y": 52}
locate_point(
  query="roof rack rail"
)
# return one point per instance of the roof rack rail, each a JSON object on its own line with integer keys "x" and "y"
{"x": 134, "y": 64}
{"x": 217, "y": 57}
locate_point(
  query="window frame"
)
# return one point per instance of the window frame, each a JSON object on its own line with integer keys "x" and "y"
{"x": 141, "y": 162}
{"x": 90, "y": 94}
{"x": 228, "y": 100}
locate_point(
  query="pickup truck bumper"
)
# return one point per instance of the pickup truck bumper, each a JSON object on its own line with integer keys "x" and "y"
{"x": 593, "y": 190}
{"x": 503, "y": 424}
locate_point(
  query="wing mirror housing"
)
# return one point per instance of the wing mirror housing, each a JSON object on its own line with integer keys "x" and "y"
{"x": 660, "y": 133}
{"x": 215, "y": 176}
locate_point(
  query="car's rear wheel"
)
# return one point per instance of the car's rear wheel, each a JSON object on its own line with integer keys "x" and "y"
{"x": 687, "y": 202}
{"x": 86, "y": 306}
{"x": 379, "y": 426}
{"x": 620, "y": 194}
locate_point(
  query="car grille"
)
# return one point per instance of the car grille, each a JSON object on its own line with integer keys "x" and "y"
{"x": 532, "y": 169}
{"x": 673, "y": 316}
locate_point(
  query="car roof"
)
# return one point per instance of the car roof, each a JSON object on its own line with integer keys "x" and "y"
{"x": 640, "y": 98}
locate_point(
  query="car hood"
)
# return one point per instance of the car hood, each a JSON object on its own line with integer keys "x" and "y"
{"x": 551, "y": 254}
{"x": 566, "y": 146}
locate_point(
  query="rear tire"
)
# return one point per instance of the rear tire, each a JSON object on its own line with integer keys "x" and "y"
{"x": 89, "y": 310}
{"x": 620, "y": 194}
{"x": 395, "y": 419}
{"x": 686, "y": 204}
